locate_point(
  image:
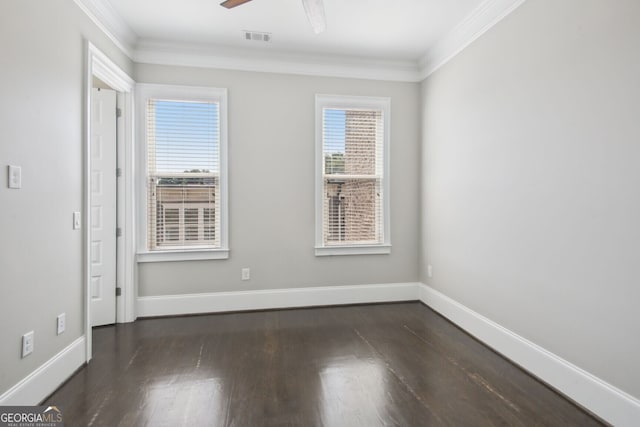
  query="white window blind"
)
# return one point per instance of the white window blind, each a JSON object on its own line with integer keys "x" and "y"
{"x": 183, "y": 174}
{"x": 353, "y": 176}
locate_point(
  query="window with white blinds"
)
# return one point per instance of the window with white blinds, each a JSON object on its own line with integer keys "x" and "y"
{"x": 352, "y": 175}
{"x": 185, "y": 170}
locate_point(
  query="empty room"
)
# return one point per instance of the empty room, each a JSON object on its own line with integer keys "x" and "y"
{"x": 320, "y": 212}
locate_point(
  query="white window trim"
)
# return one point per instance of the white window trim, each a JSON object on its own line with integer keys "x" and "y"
{"x": 365, "y": 102}
{"x": 193, "y": 93}
{"x": 182, "y": 255}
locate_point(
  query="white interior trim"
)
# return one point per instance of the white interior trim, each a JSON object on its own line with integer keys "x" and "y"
{"x": 171, "y": 305}
{"x": 183, "y": 255}
{"x": 478, "y": 22}
{"x": 353, "y": 250}
{"x": 99, "y": 65}
{"x": 145, "y": 91}
{"x": 600, "y": 397}
{"x": 149, "y": 51}
{"x": 39, "y": 384}
{"x": 110, "y": 23}
{"x": 323, "y": 101}
{"x": 215, "y": 56}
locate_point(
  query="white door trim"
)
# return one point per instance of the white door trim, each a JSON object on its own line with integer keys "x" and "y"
{"x": 99, "y": 65}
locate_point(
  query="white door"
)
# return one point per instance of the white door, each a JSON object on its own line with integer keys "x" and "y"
{"x": 103, "y": 207}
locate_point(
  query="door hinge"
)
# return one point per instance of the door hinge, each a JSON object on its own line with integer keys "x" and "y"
{"x": 118, "y": 292}
{"x": 118, "y": 112}
{"x": 118, "y": 232}
{"x": 118, "y": 172}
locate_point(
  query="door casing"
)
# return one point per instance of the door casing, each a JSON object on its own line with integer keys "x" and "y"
{"x": 100, "y": 66}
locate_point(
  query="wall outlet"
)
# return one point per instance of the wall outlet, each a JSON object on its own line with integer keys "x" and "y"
{"x": 429, "y": 271}
{"x": 61, "y": 323}
{"x": 27, "y": 344}
{"x": 246, "y": 274}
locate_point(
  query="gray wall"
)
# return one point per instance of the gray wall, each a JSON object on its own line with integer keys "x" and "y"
{"x": 531, "y": 181}
{"x": 41, "y": 107}
{"x": 529, "y": 188}
{"x": 271, "y": 186}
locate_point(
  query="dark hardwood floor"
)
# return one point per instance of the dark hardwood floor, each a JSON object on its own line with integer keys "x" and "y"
{"x": 389, "y": 364}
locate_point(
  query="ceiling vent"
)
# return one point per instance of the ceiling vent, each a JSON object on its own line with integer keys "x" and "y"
{"x": 257, "y": 36}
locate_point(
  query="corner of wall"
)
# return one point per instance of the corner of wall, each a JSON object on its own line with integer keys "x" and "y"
{"x": 593, "y": 393}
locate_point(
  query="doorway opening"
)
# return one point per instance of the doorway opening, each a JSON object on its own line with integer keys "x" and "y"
{"x": 109, "y": 243}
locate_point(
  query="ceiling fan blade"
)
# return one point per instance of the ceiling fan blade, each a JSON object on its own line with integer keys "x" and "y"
{"x": 315, "y": 13}
{"x": 233, "y": 3}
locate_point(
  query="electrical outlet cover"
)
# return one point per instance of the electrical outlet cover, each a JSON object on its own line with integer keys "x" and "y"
{"x": 27, "y": 344}
{"x": 61, "y": 323}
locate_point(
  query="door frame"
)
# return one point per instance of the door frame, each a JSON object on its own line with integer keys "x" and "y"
{"x": 100, "y": 66}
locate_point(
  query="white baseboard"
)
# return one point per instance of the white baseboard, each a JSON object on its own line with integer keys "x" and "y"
{"x": 169, "y": 305}
{"x": 603, "y": 399}
{"x": 39, "y": 384}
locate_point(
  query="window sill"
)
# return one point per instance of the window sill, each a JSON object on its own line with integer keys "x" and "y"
{"x": 353, "y": 250}
{"x": 183, "y": 255}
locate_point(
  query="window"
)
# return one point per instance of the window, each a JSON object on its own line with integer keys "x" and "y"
{"x": 183, "y": 130}
{"x": 352, "y": 175}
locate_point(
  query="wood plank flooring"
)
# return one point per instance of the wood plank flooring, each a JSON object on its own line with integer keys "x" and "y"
{"x": 372, "y": 365}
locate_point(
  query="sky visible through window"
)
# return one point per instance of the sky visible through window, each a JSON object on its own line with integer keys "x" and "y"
{"x": 187, "y": 136}
{"x": 334, "y": 130}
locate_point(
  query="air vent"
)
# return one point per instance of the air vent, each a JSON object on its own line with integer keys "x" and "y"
{"x": 257, "y": 36}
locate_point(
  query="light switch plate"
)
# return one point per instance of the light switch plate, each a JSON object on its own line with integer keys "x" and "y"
{"x": 15, "y": 176}
{"x": 76, "y": 221}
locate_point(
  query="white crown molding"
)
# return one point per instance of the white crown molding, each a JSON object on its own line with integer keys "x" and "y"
{"x": 478, "y": 22}
{"x": 485, "y": 16}
{"x": 603, "y": 399}
{"x": 110, "y": 23}
{"x": 271, "y": 61}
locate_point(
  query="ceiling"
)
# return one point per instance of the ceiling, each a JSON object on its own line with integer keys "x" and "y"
{"x": 399, "y": 35}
